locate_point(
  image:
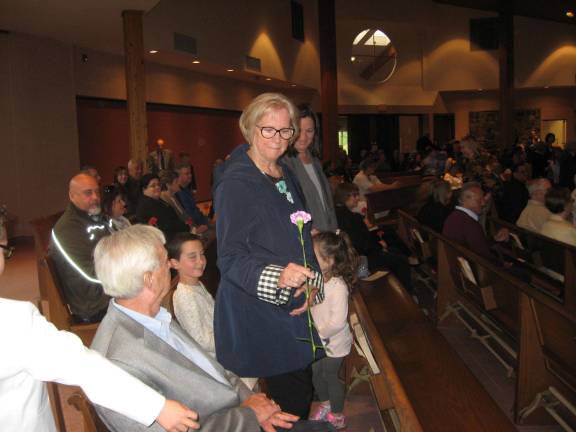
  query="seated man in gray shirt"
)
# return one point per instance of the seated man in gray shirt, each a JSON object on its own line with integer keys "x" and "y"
{"x": 140, "y": 336}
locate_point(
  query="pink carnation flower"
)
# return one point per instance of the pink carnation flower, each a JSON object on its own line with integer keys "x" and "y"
{"x": 300, "y": 217}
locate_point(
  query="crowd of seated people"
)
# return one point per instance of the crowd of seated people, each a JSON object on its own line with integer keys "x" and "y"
{"x": 515, "y": 182}
{"x": 255, "y": 191}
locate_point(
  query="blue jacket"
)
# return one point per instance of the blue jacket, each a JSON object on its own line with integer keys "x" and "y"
{"x": 186, "y": 199}
{"x": 253, "y": 337}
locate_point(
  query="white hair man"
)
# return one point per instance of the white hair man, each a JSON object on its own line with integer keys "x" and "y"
{"x": 140, "y": 336}
{"x": 74, "y": 238}
{"x": 36, "y": 352}
{"x": 535, "y": 213}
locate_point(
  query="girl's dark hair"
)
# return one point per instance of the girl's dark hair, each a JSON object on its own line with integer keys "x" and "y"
{"x": 339, "y": 247}
{"x": 108, "y": 197}
{"x": 305, "y": 111}
{"x": 343, "y": 192}
{"x": 174, "y": 246}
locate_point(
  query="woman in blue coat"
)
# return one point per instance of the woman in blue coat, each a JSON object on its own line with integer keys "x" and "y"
{"x": 259, "y": 315}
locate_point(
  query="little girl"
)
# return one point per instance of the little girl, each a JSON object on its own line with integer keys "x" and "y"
{"x": 338, "y": 262}
{"x": 193, "y": 305}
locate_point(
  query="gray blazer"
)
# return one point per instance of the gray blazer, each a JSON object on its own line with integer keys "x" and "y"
{"x": 135, "y": 349}
{"x": 323, "y": 219}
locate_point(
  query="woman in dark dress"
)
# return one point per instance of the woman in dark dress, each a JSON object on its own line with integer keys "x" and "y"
{"x": 152, "y": 210}
{"x": 365, "y": 242}
{"x": 438, "y": 207}
{"x": 259, "y": 316}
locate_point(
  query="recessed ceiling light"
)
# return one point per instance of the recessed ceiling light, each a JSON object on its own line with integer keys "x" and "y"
{"x": 268, "y": 79}
{"x": 546, "y": 86}
{"x": 229, "y": 70}
{"x": 153, "y": 51}
{"x": 570, "y": 14}
{"x": 480, "y": 89}
{"x": 292, "y": 85}
{"x": 352, "y": 58}
{"x": 196, "y": 61}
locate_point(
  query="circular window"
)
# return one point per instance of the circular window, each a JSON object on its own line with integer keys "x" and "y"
{"x": 373, "y": 56}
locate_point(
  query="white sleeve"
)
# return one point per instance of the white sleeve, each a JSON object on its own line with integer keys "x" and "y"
{"x": 334, "y": 315}
{"x": 52, "y": 355}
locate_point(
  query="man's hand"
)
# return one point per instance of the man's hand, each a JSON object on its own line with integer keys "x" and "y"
{"x": 502, "y": 235}
{"x": 176, "y": 417}
{"x": 263, "y": 407}
{"x": 280, "y": 419}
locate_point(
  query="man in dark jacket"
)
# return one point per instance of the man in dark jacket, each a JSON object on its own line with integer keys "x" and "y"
{"x": 463, "y": 226}
{"x": 74, "y": 238}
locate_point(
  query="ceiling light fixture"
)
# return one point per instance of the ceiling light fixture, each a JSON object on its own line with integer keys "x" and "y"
{"x": 268, "y": 79}
{"x": 229, "y": 70}
{"x": 153, "y": 51}
{"x": 292, "y": 85}
{"x": 570, "y": 14}
{"x": 196, "y": 61}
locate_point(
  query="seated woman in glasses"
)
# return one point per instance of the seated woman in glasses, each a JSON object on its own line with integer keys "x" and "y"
{"x": 114, "y": 206}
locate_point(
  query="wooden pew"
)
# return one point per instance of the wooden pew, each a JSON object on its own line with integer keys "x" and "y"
{"x": 423, "y": 380}
{"x": 552, "y": 263}
{"x": 49, "y": 284}
{"x": 411, "y": 192}
{"x": 536, "y": 330}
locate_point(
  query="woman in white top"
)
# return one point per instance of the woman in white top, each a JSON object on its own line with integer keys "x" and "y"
{"x": 367, "y": 181}
{"x": 338, "y": 262}
{"x": 193, "y": 304}
{"x": 35, "y": 351}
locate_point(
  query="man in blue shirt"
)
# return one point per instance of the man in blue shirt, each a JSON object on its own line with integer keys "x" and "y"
{"x": 186, "y": 199}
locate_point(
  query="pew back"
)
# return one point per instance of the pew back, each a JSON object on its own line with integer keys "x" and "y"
{"x": 542, "y": 327}
{"x": 410, "y": 193}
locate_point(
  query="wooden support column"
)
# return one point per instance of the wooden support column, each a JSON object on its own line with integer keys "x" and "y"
{"x": 135, "y": 83}
{"x": 506, "y": 58}
{"x": 329, "y": 78}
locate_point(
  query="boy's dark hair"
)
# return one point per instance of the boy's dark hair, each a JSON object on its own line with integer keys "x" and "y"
{"x": 339, "y": 247}
{"x": 174, "y": 246}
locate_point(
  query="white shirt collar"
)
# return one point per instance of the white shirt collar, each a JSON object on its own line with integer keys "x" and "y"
{"x": 468, "y": 212}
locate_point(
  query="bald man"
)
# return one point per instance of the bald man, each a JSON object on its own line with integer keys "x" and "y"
{"x": 73, "y": 240}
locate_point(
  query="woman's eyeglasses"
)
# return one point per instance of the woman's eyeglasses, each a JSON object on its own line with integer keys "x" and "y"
{"x": 270, "y": 132}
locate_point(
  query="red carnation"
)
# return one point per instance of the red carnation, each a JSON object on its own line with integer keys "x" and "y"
{"x": 153, "y": 221}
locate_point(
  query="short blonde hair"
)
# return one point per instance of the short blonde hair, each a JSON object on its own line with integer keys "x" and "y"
{"x": 122, "y": 259}
{"x": 261, "y": 106}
